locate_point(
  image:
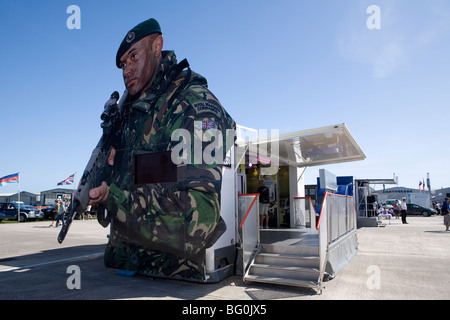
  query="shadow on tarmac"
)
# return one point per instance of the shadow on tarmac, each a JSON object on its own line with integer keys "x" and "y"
{"x": 45, "y": 276}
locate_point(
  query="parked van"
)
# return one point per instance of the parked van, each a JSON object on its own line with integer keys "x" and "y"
{"x": 8, "y": 211}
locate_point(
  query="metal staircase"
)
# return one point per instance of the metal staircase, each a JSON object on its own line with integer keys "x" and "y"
{"x": 304, "y": 256}
{"x": 287, "y": 262}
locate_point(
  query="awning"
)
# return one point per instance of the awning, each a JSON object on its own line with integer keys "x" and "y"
{"x": 378, "y": 181}
{"x": 321, "y": 146}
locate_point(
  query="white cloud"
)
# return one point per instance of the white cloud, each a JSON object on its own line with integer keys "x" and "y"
{"x": 389, "y": 58}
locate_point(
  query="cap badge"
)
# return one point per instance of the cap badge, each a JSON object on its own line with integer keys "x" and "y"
{"x": 130, "y": 36}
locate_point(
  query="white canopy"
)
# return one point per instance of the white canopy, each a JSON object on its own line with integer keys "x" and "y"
{"x": 321, "y": 146}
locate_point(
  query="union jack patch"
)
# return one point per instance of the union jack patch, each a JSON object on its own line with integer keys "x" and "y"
{"x": 207, "y": 124}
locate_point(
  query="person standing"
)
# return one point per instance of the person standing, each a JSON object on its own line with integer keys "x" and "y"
{"x": 264, "y": 195}
{"x": 87, "y": 212}
{"x": 55, "y": 212}
{"x": 61, "y": 211}
{"x": 445, "y": 210}
{"x": 396, "y": 209}
{"x": 404, "y": 211}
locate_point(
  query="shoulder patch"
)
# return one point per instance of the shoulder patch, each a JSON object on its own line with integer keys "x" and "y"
{"x": 208, "y": 106}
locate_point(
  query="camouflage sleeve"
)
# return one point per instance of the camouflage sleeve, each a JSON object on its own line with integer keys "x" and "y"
{"x": 178, "y": 217}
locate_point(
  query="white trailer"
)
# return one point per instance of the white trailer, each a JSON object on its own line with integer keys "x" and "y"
{"x": 421, "y": 199}
{"x": 290, "y": 154}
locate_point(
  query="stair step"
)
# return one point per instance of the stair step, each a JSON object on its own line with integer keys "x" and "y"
{"x": 289, "y": 256}
{"x": 294, "y": 250}
{"x": 288, "y": 272}
{"x": 287, "y": 260}
{"x": 286, "y": 268}
{"x": 282, "y": 281}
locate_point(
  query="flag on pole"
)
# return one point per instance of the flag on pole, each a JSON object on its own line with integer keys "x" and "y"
{"x": 69, "y": 180}
{"x": 420, "y": 183}
{"x": 428, "y": 182}
{"x": 12, "y": 178}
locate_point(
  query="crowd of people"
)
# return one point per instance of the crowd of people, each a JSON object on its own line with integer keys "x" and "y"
{"x": 62, "y": 207}
{"x": 397, "y": 209}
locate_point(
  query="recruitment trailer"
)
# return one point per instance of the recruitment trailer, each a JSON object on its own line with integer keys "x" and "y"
{"x": 301, "y": 247}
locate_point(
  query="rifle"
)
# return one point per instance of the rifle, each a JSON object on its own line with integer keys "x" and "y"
{"x": 98, "y": 169}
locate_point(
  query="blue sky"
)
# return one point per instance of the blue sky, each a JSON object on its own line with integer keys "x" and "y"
{"x": 289, "y": 65}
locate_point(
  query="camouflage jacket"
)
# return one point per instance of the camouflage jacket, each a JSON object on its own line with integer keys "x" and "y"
{"x": 167, "y": 214}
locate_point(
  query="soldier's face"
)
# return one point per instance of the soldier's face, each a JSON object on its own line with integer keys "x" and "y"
{"x": 139, "y": 64}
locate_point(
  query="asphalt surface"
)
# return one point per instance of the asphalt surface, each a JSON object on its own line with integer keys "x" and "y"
{"x": 405, "y": 262}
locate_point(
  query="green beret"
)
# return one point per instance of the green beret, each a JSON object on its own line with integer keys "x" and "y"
{"x": 140, "y": 31}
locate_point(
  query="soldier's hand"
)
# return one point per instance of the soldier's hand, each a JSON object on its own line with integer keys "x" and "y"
{"x": 99, "y": 195}
{"x": 111, "y": 156}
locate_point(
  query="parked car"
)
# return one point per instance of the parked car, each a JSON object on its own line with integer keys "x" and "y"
{"x": 39, "y": 215}
{"x": 48, "y": 212}
{"x": 416, "y": 209}
{"x": 8, "y": 211}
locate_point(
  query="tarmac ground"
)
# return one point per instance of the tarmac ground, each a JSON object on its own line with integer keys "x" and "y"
{"x": 394, "y": 262}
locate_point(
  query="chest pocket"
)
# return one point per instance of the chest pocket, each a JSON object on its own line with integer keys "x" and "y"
{"x": 154, "y": 167}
